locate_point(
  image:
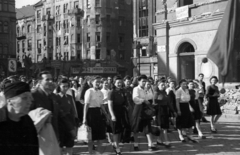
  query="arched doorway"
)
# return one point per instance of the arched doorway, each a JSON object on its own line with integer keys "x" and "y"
{"x": 186, "y": 61}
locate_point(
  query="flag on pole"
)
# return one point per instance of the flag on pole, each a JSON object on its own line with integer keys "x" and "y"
{"x": 227, "y": 39}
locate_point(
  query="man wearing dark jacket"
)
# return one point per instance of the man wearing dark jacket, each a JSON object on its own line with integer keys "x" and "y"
{"x": 43, "y": 97}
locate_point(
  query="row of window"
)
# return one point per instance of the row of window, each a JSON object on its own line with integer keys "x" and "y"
{"x": 4, "y": 27}
{"x": 23, "y": 29}
{"x": 108, "y": 37}
{"x": 121, "y": 54}
{"x": 5, "y": 6}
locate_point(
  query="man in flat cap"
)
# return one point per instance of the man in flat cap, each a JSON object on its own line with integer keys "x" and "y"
{"x": 18, "y": 135}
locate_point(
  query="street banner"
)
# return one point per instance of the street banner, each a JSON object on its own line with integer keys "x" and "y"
{"x": 12, "y": 65}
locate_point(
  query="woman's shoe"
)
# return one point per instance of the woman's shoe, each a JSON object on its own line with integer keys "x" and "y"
{"x": 167, "y": 145}
{"x": 213, "y": 130}
{"x": 182, "y": 139}
{"x": 192, "y": 140}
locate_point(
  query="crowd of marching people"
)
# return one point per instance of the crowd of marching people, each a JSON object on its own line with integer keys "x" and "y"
{"x": 116, "y": 109}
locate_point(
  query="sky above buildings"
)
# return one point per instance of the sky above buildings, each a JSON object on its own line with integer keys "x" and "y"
{"x": 21, "y": 3}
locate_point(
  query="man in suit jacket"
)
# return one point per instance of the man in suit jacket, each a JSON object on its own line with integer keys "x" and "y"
{"x": 43, "y": 97}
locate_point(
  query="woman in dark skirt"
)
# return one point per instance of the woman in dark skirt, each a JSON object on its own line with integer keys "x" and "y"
{"x": 184, "y": 118}
{"x": 116, "y": 105}
{"x": 196, "y": 105}
{"x": 213, "y": 107}
{"x": 92, "y": 114}
{"x": 163, "y": 107}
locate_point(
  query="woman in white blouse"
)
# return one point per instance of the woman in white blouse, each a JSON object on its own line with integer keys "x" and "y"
{"x": 140, "y": 124}
{"x": 92, "y": 115}
{"x": 184, "y": 118}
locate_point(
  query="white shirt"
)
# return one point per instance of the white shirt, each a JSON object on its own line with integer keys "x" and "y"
{"x": 93, "y": 97}
{"x": 184, "y": 96}
{"x": 105, "y": 95}
{"x": 139, "y": 95}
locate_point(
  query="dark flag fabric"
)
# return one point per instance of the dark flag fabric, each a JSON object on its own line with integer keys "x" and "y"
{"x": 226, "y": 41}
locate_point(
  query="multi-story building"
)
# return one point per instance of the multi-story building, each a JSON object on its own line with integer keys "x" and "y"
{"x": 145, "y": 58}
{"x": 82, "y": 36}
{"x": 25, "y": 33}
{"x": 185, "y": 30}
{"x": 7, "y": 34}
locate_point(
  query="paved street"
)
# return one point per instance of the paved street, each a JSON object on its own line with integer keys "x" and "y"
{"x": 225, "y": 142}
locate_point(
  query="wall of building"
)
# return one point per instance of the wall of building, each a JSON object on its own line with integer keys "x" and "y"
{"x": 7, "y": 34}
{"x": 198, "y": 29}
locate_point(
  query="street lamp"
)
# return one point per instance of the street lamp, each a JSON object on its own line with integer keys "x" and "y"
{"x": 138, "y": 47}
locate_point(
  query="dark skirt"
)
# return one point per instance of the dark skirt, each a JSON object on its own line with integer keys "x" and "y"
{"x": 197, "y": 113}
{"x": 213, "y": 107}
{"x": 138, "y": 123}
{"x": 95, "y": 120}
{"x": 118, "y": 125}
{"x": 79, "y": 108}
{"x": 107, "y": 117}
{"x": 162, "y": 116}
{"x": 186, "y": 119}
{"x": 66, "y": 139}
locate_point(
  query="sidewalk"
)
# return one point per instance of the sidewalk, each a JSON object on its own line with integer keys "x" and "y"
{"x": 225, "y": 142}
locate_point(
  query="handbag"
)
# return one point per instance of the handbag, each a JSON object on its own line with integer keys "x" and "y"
{"x": 148, "y": 112}
{"x": 84, "y": 133}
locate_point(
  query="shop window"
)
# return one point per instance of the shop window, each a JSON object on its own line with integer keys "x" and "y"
{"x": 97, "y": 56}
{"x": 184, "y": 2}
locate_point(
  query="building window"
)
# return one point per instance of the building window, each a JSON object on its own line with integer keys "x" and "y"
{"x": 65, "y": 24}
{"x": 88, "y": 56}
{"x": 58, "y": 10}
{"x": 39, "y": 29}
{"x": 88, "y": 37}
{"x": 108, "y": 53}
{"x": 48, "y": 11}
{"x": 98, "y": 37}
{"x": 65, "y": 8}
{"x": 97, "y": 19}
{"x": 108, "y": 3}
{"x": 58, "y": 25}
{"x": 121, "y": 55}
{"x": 88, "y": 20}
{"x": 58, "y": 41}
{"x": 121, "y": 38}
{"x": 65, "y": 40}
{"x": 5, "y": 49}
{"x": 39, "y": 45}
{"x": 5, "y": 6}
{"x": 121, "y": 21}
{"x": 97, "y": 3}
{"x": 97, "y": 56}
{"x": 38, "y": 14}
{"x": 23, "y": 45}
{"x": 78, "y": 38}
{"x": 18, "y": 31}
{"x": 29, "y": 44}
{"x": 5, "y": 27}
{"x": 23, "y": 30}
{"x": 29, "y": 28}
{"x": 143, "y": 18}
{"x": 184, "y": 2}
{"x": 144, "y": 52}
{"x": 108, "y": 19}
{"x": 1, "y": 26}
{"x": 18, "y": 47}
{"x": 78, "y": 22}
{"x": 88, "y": 4}
{"x": 76, "y": 4}
{"x": 108, "y": 37}
{"x": 66, "y": 56}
